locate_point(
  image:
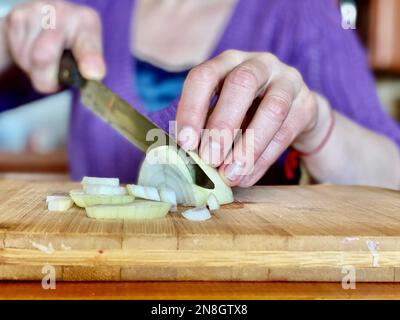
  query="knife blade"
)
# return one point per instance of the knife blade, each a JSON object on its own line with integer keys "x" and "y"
{"x": 118, "y": 113}
{"x": 109, "y": 106}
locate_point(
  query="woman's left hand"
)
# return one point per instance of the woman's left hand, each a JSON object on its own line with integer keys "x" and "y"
{"x": 286, "y": 114}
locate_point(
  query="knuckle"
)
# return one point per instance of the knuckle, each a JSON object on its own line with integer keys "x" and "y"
{"x": 294, "y": 75}
{"x": 243, "y": 77}
{"x": 270, "y": 58}
{"x": 276, "y": 107}
{"x": 89, "y": 16}
{"x": 221, "y": 125}
{"x": 15, "y": 17}
{"x": 202, "y": 73}
{"x": 284, "y": 136}
{"x": 230, "y": 54}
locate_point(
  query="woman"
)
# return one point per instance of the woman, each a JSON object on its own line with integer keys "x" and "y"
{"x": 306, "y": 76}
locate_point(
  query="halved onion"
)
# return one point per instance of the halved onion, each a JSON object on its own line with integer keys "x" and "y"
{"x": 165, "y": 166}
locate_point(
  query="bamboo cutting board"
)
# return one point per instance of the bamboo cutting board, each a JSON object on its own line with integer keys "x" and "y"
{"x": 268, "y": 234}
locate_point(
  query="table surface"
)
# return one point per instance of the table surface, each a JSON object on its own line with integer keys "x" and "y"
{"x": 198, "y": 290}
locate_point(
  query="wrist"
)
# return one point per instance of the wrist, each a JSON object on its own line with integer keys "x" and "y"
{"x": 317, "y": 132}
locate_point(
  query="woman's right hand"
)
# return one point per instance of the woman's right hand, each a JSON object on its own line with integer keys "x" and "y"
{"x": 37, "y": 50}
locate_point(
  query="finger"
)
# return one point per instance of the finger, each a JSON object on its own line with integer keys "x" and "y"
{"x": 199, "y": 88}
{"x": 84, "y": 37}
{"x": 303, "y": 109}
{"x": 15, "y": 30}
{"x": 239, "y": 90}
{"x": 28, "y": 29}
{"x": 269, "y": 117}
{"x": 46, "y": 54}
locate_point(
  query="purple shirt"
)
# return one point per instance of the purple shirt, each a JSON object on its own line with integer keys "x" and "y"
{"x": 305, "y": 34}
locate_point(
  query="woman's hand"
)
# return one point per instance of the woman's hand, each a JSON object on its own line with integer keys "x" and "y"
{"x": 37, "y": 50}
{"x": 286, "y": 114}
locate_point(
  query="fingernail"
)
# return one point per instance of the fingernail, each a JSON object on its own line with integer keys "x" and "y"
{"x": 211, "y": 153}
{"x": 92, "y": 69}
{"x": 234, "y": 171}
{"x": 187, "y": 138}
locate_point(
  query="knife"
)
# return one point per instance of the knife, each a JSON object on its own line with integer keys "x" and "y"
{"x": 108, "y": 105}
{"x": 118, "y": 113}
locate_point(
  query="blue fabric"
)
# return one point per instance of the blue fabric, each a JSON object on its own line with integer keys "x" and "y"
{"x": 156, "y": 87}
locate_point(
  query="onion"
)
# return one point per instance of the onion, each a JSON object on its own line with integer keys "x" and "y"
{"x": 168, "y": 195}
{"x": 140, "y": 209}
{"x": 197, "y": 214}
{"x": 101, "y": 181}
{"x": 149, "y": 193}
{"x": 98, "y": 189}
{"x": 212, "y": 202}
{"x": 165, "y": 167}
{"x": 59, "y": 203}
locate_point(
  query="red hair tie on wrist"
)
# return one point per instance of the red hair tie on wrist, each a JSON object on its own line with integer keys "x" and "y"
{"x": 292, "y": 160}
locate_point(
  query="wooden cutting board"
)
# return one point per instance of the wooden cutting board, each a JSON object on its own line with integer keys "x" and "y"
{"x": 313, "y": 233}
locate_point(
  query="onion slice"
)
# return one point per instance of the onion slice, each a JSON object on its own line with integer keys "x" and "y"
{"x": 212, "y": 202}
{"x": 59, "y": 203}
{"x": 168, "y": 195}
{"x": 197, "y": 214}
{"x": 148, "y": 193}
{"x": 101, "y": 181}
{"x": 86, "y": 200}
{"x": 98, "y": 189}
{"x": 140, "y": 209}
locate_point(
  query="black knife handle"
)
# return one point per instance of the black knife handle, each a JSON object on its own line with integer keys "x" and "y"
{"x": 69, "y": 74}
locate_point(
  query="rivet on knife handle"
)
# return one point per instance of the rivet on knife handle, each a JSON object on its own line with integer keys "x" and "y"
{"x": 69, "y": 74}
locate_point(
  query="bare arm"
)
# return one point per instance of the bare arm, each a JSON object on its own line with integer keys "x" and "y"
{"x": 352, "y": 155}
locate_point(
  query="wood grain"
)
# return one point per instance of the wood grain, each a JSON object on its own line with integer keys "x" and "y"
{"x": 291, "y": 233}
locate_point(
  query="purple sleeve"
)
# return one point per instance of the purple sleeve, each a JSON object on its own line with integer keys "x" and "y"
{"x": 334, "y": 64}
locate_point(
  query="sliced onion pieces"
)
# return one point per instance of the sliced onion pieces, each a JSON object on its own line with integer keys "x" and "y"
{"x": 98, "y": 189}
{"x": 212, "y": 202}
{"x": 100, "y": 181}
{"x": 86, "y": 200}
{"x": 59, "y": 203}
{"x": 140, "y": 209}
{"x": 148, "y": 193}
{"x": 197, "y": 214}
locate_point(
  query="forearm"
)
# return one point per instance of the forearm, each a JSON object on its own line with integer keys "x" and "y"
{"x": 5, "y": 59}
{"x": 352, "y": 155}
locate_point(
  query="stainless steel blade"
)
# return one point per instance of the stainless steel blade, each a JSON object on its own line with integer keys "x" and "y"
{"x": 119, "y": 114}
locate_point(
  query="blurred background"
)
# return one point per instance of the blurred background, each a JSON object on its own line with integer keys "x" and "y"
{"x": 33, "y": 137}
